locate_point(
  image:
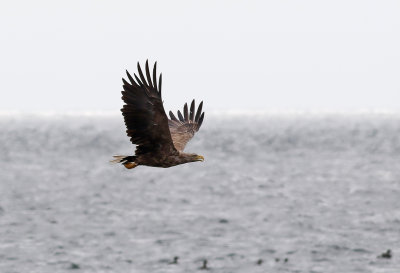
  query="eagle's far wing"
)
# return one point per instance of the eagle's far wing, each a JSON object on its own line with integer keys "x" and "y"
{"x": 184, "y": 127}
{"x": 144, "y": 115}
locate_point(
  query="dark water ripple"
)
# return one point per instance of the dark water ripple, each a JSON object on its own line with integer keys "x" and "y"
{"x": 320, "y": 191}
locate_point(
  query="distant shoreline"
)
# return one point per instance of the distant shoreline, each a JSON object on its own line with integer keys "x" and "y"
{"x": 213, "y": 113}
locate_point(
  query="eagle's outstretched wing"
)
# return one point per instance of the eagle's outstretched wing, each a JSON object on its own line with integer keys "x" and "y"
{"x": 144, "y": 115}
{"x": 183, "y": 129}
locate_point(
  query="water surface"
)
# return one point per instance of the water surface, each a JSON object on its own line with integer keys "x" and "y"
{"x": 320, "y": 190}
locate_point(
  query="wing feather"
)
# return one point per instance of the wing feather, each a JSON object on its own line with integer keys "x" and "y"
{"x": 200, "y": 121}
{"x": 141, "y": 75}
{"x": 144, "y": 115}
{"x": 184, "y": 129}
{"x": 131, "y": 79}
{"x": 155, "y": 75}
{"x": 159, "y": 84}
{"x": 148, "y": 74}
{"x": 191, "y": 111}
{"x": 180, "y": 116}
{"x": 172, "y": 116}
{"x": 185, "y": 112}
{"x": 138, "y": 80}
{"x": 198, "y": 113}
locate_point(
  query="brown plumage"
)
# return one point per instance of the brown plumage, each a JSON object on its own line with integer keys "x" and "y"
{"x": 159, "y": 141}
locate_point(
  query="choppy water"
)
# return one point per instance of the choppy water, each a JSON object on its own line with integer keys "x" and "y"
{"x": 321, "y": 191}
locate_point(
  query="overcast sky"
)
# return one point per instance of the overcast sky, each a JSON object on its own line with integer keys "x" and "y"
{"x": 235, "y": 55}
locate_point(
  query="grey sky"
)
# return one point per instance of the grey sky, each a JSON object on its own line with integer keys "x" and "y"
{"x": 245, "y": 55}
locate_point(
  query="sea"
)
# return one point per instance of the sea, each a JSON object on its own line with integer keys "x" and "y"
{"x": 277, "y": 192}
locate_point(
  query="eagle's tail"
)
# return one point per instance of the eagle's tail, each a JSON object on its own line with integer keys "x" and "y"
{"x": 127, "y": 161}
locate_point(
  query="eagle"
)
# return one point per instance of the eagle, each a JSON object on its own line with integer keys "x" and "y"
{"x": 159, "y": 141}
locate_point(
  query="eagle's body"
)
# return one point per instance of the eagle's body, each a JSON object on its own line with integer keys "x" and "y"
{"x": 159, "y": 141}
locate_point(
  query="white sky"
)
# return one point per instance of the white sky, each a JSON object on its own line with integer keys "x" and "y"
{"x": 243, "y": 55}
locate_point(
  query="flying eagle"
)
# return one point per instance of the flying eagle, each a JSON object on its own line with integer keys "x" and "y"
{"x": 159, "y": 141}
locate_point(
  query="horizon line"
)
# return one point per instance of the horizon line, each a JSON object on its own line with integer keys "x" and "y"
{"x": 232, "y": 112}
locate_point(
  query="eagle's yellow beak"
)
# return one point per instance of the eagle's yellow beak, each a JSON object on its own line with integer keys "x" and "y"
{"x": 200, "y": 158}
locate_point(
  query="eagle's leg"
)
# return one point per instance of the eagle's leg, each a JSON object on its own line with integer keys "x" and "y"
{"x": 127, "y": 161}
{"x": 130, "y": 165}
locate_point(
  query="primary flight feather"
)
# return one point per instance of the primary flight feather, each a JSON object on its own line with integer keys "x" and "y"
{"x": 159, "y": 141}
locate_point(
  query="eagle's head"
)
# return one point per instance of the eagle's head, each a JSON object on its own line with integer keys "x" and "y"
{"x": 191, "y": 157}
